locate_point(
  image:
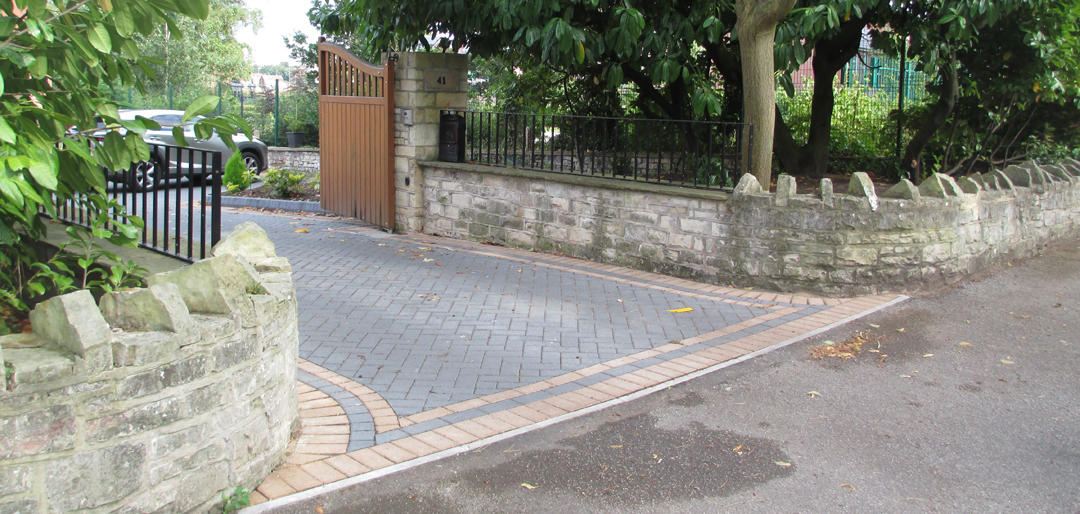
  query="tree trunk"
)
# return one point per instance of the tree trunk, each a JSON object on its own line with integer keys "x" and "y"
{"x": 756, "y": 26}
{"x": 830, "y": 56}
{"x": 950, "y": 91}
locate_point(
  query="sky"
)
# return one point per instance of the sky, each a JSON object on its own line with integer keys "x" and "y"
{"x": 279, "y": 18}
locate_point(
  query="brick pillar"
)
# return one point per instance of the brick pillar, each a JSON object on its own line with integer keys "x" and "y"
{"x": 425, "y": 83}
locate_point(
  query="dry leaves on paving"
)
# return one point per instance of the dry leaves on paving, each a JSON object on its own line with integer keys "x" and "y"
{"x": 846, "y": 349}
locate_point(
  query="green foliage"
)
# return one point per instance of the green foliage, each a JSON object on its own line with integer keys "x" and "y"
{"x": 283, "y": 183}
{"x": 206, "y": 51}
{"x": 235, "y": 500}
{"x": 236, "y": 176}
{"x": 60, "y": 58}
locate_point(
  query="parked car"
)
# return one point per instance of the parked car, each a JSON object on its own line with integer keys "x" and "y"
{"x": 148, "y": 175}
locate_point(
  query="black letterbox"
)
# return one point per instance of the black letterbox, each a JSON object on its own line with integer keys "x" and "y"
{"x": 452, "y": 137}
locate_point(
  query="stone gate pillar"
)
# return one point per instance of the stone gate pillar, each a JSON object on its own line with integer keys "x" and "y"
{"x": 425, "y": 83}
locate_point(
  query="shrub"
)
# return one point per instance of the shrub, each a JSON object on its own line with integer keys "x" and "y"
{"x": 283, "y": 183}
{"x": 236, "y": 177}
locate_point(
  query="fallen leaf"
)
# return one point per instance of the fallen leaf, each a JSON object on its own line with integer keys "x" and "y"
{"x": 928, "y": 355}
{"x": 319, "y": 509}
{"x": 899, "y": 330}
{"x": 782, "y": 464}
{"x": 301, "y": 231}
{"x": 875, "y": 326}
{"x": 1006, "y": 361}
{"x": 737, "y": 448}
{"x": 617, "y": 446}
{"x": 424, "y": 249}
{"x": 382, "y": 244}
{"x": 905, "y": 376}
{"x": 528, "y": 486}
{"x": 428, "y": 260}
{"x": 965, "y": 344}
{"x": 849, "y": 485}
{"x": 967, "y": 321}
{"x": 814, "y": 394}
{"x": 684, "y": 309}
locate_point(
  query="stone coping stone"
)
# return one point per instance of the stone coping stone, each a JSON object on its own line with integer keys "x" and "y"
{"x": 585, "y": 180}
{"x": 287, "y": 149}
{"x": 273, "y": 204}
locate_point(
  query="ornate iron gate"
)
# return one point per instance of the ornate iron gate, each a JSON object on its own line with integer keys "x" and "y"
{"x": 356, "y": 136}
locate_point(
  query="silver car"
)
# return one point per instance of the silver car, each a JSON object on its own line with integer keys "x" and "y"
{"x": 148, "y": 175}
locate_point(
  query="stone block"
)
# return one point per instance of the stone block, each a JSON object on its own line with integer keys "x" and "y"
{"x": 135, "y": 420}
{"x": 785, "y": 189}
{"x": 272, "y": 265}
{"x": 73, "y": 322}
{"x": 861, "y": 186}
{"x": 939, "y": 186}
{"x": 748, "y": 184}
{"x": 825, "y": 190}
{"x": 1019, "y": 177}
{"x": 15, "y": 479}
{"x": 903, "y": 190}
{"x": 1059, "y": 172}
{"x": 157, "y": 308}
{"x": 19, "y": 507}
{"x": 1004, "y": 183}
{"x": 141, "y": 348}
{"x": 247, "y": 240}
{"x": 218, "y": 285}
{"x": 46, "y": 430}
{"x": 92, "y": 479}
{"x": 970, "y": 185}
{"x": 39, "y": 366}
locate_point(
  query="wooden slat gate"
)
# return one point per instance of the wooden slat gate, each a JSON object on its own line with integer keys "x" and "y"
{"x": 356, "y": 136}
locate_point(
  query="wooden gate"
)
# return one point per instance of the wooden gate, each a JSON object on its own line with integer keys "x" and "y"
{"x": 356, "y": 136}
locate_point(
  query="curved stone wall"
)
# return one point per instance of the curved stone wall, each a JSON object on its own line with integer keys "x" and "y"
{"x": 156, "y": 399}
{"x": 850, "y": 242}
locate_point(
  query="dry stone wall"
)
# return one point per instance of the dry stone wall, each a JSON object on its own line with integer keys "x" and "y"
{"x": 155, "y": 399}
{"x": 305, "y": 160}
{"x": 835, "y": 242}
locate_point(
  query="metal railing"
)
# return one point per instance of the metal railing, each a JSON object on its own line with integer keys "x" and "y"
{"x": 177, "y": 195}
{"x": 698, "y": 154}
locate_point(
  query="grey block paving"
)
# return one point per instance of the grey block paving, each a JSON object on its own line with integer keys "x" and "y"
{"x": 427, "y": 327}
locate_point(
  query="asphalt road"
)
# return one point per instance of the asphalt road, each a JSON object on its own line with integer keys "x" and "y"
{"x": 968, "y": 401}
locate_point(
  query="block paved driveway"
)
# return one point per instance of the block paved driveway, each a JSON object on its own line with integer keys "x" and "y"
{"x": 414, "y": 344}
{"x": 426, "y": 325}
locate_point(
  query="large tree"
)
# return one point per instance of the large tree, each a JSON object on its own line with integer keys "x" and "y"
{"x": 193, "y": 52}
{"x": 679, "y": 53}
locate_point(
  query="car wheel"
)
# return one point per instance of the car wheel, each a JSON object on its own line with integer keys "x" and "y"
{"x": 251, "y": 161}
{"x": 144, "y": 176}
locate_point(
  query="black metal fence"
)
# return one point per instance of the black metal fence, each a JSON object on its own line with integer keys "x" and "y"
{"x": 683, "y": 153}
{"x": 177, "y": 194}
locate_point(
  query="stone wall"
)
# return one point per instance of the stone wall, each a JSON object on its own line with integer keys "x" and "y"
{"x": 157, "y": 399}
{"x": 295, "y": 159}
{"x": 850, "y": 242}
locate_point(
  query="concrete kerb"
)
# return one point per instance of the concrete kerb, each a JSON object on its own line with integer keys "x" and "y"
{"x": 272, "y": 204}
{"x": 315, "y": 492}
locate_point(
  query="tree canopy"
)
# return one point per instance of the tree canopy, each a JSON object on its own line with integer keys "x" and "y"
{"x": 684, "y": 57}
